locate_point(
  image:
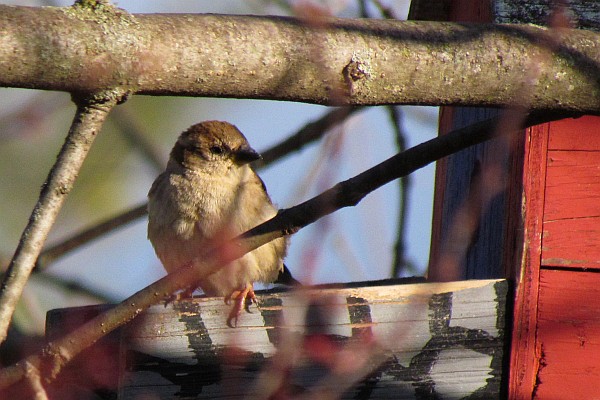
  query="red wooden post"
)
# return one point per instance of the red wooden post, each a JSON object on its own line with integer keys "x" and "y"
{"x": 523, "y": 365}
{"x": 556, "y": 334}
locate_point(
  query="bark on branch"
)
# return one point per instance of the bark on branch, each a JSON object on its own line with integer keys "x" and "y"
{"x": 361, "y": 62}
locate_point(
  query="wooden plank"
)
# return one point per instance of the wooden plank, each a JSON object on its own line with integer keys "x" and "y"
{"x": 575, "y": 133}
{"x": 470, "y": 11}
{"x": 585, "y": 13}
{"x": 523, "y": 364}
{"x": 446, "y": 117}
{"x": 572, "y": 211}
{"x": 423, "y": 326}
{"x": 572, "y": 243}
{"x": 572, "y": 185}
{"x": 443, "y": 340}
{"x": 568, "y": 335}
{"x": 486, "y": 247}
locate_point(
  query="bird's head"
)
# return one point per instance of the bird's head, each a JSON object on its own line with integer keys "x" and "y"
{"x": 212, "y": 147}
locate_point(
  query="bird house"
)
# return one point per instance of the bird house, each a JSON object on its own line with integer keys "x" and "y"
{"x": 542, "y": 230}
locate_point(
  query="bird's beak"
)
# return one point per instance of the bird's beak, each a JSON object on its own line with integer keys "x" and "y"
{"x": 244, "y": 155}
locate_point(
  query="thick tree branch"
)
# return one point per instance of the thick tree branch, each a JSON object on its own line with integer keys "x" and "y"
{"x": 59, "y": 352}
{"x": 90, "y": 115}
{"x": 79, "y": 49}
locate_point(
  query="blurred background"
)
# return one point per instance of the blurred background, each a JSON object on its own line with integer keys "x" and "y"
{"x": 354, "y": 244}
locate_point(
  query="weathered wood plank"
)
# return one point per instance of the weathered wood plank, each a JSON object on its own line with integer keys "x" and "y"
{"x": 575, "y": 133}
{"x": 572, "y": 211}
{"x": 568, "y": 335}
{"x": 488, "y": 248}
{"x": 585, "y": 13}
{"x": 572, "y": 185}
{"x": 523, "y": 364}
{"x": 572, "y": 243}
{"x": 441, "y": 340}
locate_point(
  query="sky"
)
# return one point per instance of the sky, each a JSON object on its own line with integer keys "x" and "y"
{"x": 354, "y": 244}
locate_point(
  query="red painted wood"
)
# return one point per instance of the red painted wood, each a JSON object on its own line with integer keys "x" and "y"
{"x": 523, "y": 361}
{"x": 572, "y": 185}
{"x": 572, "y": 210}
{"x": 575, "y": 134}
{"x": 572, "y": 243}
{"x": 445, "y": 126}
{"x": 569, "y": 335}
{"x": 470, "y": 11}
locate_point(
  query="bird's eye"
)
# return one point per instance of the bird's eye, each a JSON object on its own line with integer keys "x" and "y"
{"x": 216, "y": 150}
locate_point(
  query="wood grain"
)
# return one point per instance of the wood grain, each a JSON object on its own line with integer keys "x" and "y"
{"x": 572, "y": 185}
{"x": 572, "y": 211}
{"x": 572, "y": 243}
{"x": 443, "y": 340}
{"x": 576, "y": 133}
{"x": 568, "y": 335}
{"x": 523, "y": 363}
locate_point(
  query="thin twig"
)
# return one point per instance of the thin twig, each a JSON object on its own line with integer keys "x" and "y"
{"x": 80, "y": 238}
{"x": 35, "y": 383}
{"x": 67, "y": 285}
{"x": 89, "y": 117}
{"x": 395, "y": 114}
{"x": 58, "y": 353}
{"x": 132, "y": 132}
{"x": 351, "y": 192}
{"x": 362, "y": 9}
{"x": 307, "y": 134}
{"x": 400, "y": 260}
{"x": 386, "y": 12}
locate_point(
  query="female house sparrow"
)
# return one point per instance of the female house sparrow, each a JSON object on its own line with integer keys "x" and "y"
{"x": 209, "y": 192}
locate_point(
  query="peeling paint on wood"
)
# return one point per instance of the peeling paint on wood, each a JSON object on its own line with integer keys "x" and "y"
{"x": 572, "y": 243}
{"x": 443, "y": 340}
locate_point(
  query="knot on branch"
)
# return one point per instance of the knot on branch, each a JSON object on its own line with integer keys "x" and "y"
{"x": 92, "y": 4}
{"x": 101, "y": 12}
{"x": 54, "y": 357}
{"x": 357, "y": 69}
{"x": 105, "y": 99}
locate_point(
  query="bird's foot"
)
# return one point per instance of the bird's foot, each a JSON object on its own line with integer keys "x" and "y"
{"x": 242, "y": 300}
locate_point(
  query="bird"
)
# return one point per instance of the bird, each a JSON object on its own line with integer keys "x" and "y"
{"x": 207, "y": 193}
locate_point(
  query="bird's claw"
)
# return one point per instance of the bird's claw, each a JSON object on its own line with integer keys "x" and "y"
{"x": 243, "y": 299}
